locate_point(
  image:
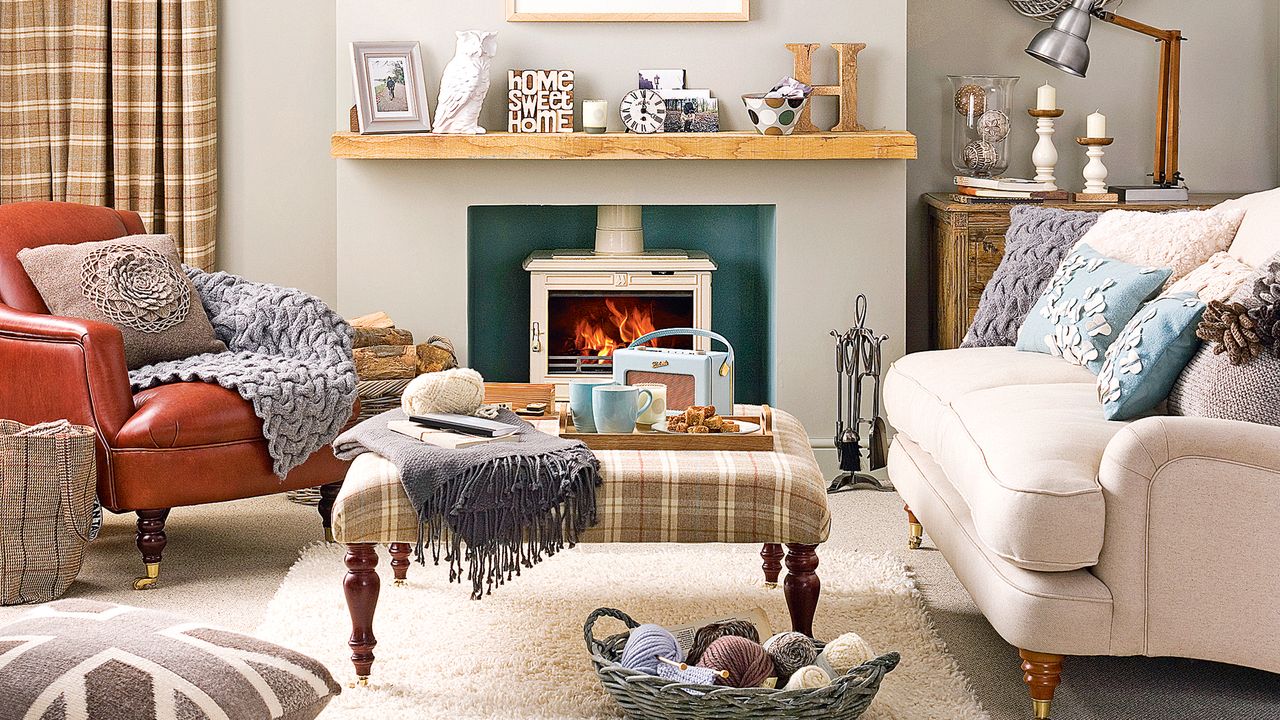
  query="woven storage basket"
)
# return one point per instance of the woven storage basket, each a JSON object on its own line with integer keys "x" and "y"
{"x": 648, "y": 697}
{"x": 48, "y": 485}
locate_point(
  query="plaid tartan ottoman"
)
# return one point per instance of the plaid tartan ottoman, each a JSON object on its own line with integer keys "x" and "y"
{"x": 773, "y": 498}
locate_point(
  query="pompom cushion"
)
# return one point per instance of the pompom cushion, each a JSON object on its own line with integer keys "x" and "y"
{"x": 135, "y": 283}
{"x": 83, "y": 659}
{"x": 1180, "y": 241}
{"x": 1217, "y": 279}
{"x": 1037, "y": 240}
{"x": 1146, "y": 359}
{"x": 1258, "y": 237}
{"x": 1088, "y": 302}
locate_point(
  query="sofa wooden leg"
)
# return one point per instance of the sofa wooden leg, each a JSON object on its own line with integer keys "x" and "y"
{"x": 802, "y": 586}
{"x": 400, "y": 553}
{"x": 1041, "y": 672}
{"x": 915, "y": 531}
{"x": 328, "y": 493}
{"x": 150, "y": 540}
{"x": 361, "y": 586}
{"x": 772, "y": 554}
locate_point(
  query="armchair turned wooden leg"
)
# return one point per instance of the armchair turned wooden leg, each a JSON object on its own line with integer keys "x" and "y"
{"x": 802, "y": 586}
{"x": 400, "y": 553}
{"x": 1042, "y": 672}
{"x": 150, "y": 540}
{"x": 915, "y": 530}
{"x": 361, "y": 586}
{"x": 772, "y": 554}
{"x": 328, "y": 493}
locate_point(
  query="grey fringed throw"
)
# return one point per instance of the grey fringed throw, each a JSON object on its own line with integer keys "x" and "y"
{"x": 509, "y": 502}
{"x": 288, "y": 354}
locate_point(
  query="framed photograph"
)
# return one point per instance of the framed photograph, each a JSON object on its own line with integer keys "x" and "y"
{"x": 628, "y": 10}
{"x": 662, "y": 79}
{"x": 391, "y": 91}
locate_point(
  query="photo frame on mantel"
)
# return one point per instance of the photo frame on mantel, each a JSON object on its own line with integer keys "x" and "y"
{"x": 628, "y": 10}
{"x": 390, "y": 88}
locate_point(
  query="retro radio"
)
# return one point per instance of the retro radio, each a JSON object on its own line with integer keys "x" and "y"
{"x": 692, "y": 377}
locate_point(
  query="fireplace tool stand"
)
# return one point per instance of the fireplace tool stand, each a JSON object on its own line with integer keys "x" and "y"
{"x": 858, "y": 360}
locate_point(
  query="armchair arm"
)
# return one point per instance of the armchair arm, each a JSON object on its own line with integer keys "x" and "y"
{"x": 61, "y": 367}
{"x": 1192, "y": 540}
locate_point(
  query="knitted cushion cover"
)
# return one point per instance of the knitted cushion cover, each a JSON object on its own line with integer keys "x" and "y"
{"x": 1037, "y": 240}
{"x": 1144, "y": 362}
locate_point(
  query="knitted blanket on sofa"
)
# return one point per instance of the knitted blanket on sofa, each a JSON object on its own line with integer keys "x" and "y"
{"x": 288, "y": 354}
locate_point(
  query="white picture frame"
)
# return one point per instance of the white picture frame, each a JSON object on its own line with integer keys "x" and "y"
{"x": 628, "y": 10}
{"x": 390, "y": 87}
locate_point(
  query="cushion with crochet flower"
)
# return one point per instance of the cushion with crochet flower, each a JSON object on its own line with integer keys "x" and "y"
{"x": 135, "y": 283}
{"x": 1143, "y": 363}
{"x": 1089, "y": 301}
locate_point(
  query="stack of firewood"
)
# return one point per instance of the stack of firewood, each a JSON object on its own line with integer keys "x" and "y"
{"x": 385, "y": 352}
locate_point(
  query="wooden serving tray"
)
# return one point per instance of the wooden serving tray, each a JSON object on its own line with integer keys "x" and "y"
{"x": 645, "y": 439}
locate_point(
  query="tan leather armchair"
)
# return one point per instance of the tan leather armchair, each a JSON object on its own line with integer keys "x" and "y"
{"x": 169, "y": 446}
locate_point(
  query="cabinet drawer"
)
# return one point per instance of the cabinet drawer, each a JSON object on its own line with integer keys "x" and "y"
{"x": 985, "y": 254}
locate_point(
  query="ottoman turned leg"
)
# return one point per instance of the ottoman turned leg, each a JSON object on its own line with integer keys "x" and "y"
{"x": 802, "y": 586}
{"x": 914, "y": 529}
{"x": 328, "y": 494}
{"x": 400, "y": 553}
{"x": 772, "y": 555}
{"x": 361, "y": 588}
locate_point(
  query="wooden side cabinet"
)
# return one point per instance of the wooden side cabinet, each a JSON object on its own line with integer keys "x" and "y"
{"x": 966, "y": 244}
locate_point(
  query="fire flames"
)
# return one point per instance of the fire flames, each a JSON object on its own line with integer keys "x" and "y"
{"x": 621, "y": 322}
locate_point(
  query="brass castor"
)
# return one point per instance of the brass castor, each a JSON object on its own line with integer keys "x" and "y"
{"x": 328, "y": 535}
{"x": 1042, "y": 708}
{"x": 401, "y": 583}
{"x": 771, "y": 586}
{"x": 916, "y": 536}
{"x": 361, "y": 681}
{"x": 149, "y": 580}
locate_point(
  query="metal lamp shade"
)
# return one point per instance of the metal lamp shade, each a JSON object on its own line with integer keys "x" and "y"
{"x": 1065, "y": 45}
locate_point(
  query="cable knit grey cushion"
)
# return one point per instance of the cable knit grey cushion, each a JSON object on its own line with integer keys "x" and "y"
{"x": 1212, "y": 387}
{"x": 289, "y": 356}
{"x": 1037, "y": 240}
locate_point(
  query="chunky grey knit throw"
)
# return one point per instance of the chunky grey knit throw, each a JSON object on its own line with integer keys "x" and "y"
{"x": 288, "y": 354}
{"x": 509, "y": 502}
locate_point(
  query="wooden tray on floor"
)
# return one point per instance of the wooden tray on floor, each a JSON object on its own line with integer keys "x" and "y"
{"x": 645, "y": 439}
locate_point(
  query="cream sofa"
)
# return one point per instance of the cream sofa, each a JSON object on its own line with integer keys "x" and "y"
{"x": 1079, "y": 536}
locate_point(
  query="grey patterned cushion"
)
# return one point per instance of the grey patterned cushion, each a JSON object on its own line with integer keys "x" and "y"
{"x": 1212, "y": 387}
{"x": 78, "y": 659}
{"x": 1037, "y": 241}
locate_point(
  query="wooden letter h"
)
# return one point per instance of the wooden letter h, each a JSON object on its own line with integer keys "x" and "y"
{"x": 846, "y": 90}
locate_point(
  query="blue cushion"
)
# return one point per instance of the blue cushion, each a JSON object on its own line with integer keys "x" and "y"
{"x": 1088, "y": 302}
{"x": 1146, "y": 359}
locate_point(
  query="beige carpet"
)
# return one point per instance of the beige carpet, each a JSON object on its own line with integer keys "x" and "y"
{"x": 520, "y": 653}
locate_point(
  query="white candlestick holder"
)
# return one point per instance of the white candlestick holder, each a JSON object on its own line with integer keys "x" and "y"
{"x": 1045, "y": 156}
{"x": 1095, "y": 173}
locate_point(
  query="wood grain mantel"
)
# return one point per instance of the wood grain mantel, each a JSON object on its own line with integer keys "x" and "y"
{"x": 868, "y": 145}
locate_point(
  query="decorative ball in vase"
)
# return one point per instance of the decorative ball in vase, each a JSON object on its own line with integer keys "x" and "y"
{"x": 982, "y": 129}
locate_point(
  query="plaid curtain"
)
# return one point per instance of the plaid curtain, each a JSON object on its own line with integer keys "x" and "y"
{"x": 114, "y": 102}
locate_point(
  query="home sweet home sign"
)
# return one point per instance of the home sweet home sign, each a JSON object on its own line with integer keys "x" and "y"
{"x": 540, "y": 101}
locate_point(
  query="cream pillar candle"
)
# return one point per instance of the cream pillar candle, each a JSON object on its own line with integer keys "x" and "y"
{"x": 1097, "y": 125}
{"x": 1047, "y": 97}
{"x": 595, "y": 115}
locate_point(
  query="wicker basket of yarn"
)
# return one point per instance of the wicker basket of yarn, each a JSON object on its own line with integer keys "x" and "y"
{"x": 642, "y": 695}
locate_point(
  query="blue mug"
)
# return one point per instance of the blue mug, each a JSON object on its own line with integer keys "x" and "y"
{"x": 580, "y": 403}
{"x": 616, "y": 407}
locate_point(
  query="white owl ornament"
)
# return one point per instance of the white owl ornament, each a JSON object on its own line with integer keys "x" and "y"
{"x": 465, "y": 83}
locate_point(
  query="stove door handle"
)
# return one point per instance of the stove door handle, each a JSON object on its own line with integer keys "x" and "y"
{"x": 536, "y": 338}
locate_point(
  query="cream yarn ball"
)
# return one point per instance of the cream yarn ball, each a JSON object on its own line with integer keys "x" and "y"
{"x": 459, "y": 391}
{"x": 807, "y": 678}
{"x": 847, "y": 652}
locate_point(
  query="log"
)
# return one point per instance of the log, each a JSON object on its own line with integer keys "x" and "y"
{"x": 373, "y": 320}
{"x": 369, "y": 337}
{"x": 386, "y": 362}
{"x": 432, "y": 358}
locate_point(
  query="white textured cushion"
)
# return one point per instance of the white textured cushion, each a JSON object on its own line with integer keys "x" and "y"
{"x": 1181, "y": 241}
{"x": 1217, "y": 279}
{"x": 1259, "y": 234}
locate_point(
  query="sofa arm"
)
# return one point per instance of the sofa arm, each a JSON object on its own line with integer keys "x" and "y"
{"x": 62, "y": 367}
{"x": 1192, "y": 539}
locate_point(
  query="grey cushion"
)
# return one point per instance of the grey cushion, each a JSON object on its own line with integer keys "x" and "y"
{"x": 1212, "y": 387}
{"x": 79, "y": 658}
{"x": 1036, "y": 242}
{"x": 135, "y": 283}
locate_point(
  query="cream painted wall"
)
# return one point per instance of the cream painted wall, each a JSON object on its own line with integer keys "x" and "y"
{"x": 1230, "y": 99}
{"x": 277, "y": 219}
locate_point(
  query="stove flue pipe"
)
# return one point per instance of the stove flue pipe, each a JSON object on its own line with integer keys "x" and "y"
{"x": 619, "y": 230}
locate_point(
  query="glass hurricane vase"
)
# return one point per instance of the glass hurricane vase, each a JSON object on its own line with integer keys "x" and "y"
{"x": 981, "y": 108}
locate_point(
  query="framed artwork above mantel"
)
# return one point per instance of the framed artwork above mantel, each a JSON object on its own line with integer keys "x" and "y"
{"x": 628, "y": 10}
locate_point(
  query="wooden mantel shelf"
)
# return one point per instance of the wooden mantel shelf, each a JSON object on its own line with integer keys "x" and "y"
{"x": 869, "y": 145}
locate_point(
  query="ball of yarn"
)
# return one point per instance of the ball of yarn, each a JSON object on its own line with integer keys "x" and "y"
{"x": 790, "y": 652}
{"x": 807, "y": 678}
{"x": 847, "y": 652}
{"x": 708, "y": 634}
{"x": 692, "y": 674}
{"x": 747, "y": 663}
{"x": 645, "y": 645}
{"x": 460, "y": 391}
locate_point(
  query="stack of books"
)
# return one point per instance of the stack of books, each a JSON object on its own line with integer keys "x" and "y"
{"x": 1005, "y": 190}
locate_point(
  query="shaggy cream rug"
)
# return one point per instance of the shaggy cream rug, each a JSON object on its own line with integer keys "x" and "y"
{"x": 520, "y": 653}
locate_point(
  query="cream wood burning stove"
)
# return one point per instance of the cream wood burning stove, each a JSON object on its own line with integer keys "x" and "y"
{"x": 584, "y": 304}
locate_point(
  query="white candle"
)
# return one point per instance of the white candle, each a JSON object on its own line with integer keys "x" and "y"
{"x": 1047, "y": 97}
{"x": 595, "y": 115}
{"x": 1097, "y": 125}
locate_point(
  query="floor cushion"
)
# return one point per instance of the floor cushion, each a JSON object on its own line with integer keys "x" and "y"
{"x": 79, "y": 658}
